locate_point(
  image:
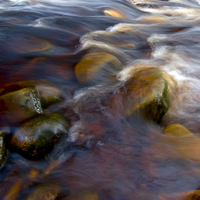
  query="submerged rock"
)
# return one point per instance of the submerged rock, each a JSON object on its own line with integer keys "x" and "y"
{"x": 13, "y": 192}
{"x": 113, "y": 13}
{"x": 186, "y": 195}
{"x": 86, "y": 195}
{"x": 153, "y": 18}
{"x": 19, "y": 105}
{"x": 147, "y": 91}
{"x": 97, "y": 67}
{"x": 193, "y": 196}
{"x": 3, "y": 150}
{"x": 177, "y": 143}
{"x": 44, "y": 192}
{"x": 37, "y": 137}
{"x": 177, "y": 130}
{"x": 48, "y": 93}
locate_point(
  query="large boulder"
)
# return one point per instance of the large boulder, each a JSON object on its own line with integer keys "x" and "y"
{"x": 147, "y": 91}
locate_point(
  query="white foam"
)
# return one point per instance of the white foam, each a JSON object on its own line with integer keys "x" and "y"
{"x": 125, "y": 73}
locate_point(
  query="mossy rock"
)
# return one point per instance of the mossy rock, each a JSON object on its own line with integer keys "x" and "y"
{"x": 3, "y": 150}
{"x": 20, "y": 105}
{"x": 44, "y": 192}
{"x": 48, "y": 92}
{"x": 85, "y": 195}
{"x": 37, "y": 137}
{"x": 147, "y": 92}
{"x": 97, "y": 67}
{"x": 177, "y": 130}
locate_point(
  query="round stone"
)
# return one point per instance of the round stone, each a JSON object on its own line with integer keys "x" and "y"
{"x": 97, "y": 67}
{"x": 37, "y": 137}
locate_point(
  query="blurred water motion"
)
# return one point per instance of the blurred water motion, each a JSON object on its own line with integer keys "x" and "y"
{"x": 87, "y": 53}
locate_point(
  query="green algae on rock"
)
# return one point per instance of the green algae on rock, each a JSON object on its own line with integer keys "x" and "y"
{"x": 20, "y": 105}
{"x": 97, "y": 67}
{"x": 3, "y": 150}
{"x": 147, "y": 91}
{"x": 48, "y": 92}
{"x": 37, "y": 137}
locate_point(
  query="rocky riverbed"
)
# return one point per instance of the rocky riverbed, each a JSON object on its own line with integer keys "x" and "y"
{"x": 99, "y": 100}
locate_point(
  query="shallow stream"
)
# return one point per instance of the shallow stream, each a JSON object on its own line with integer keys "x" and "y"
{"x": 107, "y": 153}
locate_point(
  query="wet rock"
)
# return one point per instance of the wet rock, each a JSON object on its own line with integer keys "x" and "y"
{"x": 37, "y": 137}
{"x": 3, "y": 150}
{"x": 147, "y": 92}
{"x": 97, "y": 67}
{"x": 177, "y": 130}
{"x": 86, "y": 195}
{"x": 19, "y": 105}
{"x": 48, "y": 93}
{"x": 44, "y": 192}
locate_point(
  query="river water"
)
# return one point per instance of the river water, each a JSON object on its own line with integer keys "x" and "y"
{"x": 121, "y": 158}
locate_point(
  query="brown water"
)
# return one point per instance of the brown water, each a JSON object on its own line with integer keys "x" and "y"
{"x": 121, "y": 158}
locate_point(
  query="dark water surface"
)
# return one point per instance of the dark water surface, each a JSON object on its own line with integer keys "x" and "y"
{"x": 120, "y": 158}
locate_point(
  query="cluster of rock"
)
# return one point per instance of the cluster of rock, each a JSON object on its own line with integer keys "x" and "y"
{"x": 146, "y": 93}
{"x": 22, "y": 104}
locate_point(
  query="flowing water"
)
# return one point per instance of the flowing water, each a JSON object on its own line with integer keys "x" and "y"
{"x": 121, "y": 158}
